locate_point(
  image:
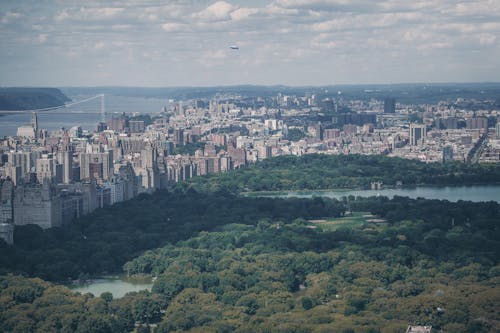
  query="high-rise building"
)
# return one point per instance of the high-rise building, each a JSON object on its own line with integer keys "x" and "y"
{"x": 389, "y": 105}
{"x": 417, "y": 134}
{"x": 179, "y": 136}
{"x": 34, "y": 121}
{"x": 46, "y": 168}
{"x": 477, "y": 123}
{"x": 97, "y": 166}
{"x": 67, "y": 159}
{"x": 497, "y": 130}
{"x": 37, "y": 204}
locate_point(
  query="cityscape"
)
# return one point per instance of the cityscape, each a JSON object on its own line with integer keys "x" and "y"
{"x": 52, "y": 177}
{"x": 219, "y": 166}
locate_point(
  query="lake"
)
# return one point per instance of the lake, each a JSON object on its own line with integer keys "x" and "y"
{"x": 115, "y": 285}
{"x": 474, "y": 193}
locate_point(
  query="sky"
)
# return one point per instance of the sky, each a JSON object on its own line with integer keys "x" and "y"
{"x": 291, "y": 42}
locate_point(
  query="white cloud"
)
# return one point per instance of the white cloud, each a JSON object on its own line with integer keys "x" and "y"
{"x": 10, "y": 17}
{"x": 487, "y": 39}
{"x": 212, "y": 58}
{"x": 243, "y": 13}
{"x": 42, "y": 38}
{"x": 89, "y": 14}
{"x": 99, "y": 45}
{"x": 174, "y": 27}
{"x": 218, "y": 11}
{"x": 277, "y": 37}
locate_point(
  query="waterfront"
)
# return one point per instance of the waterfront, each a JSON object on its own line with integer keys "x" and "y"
{"x": 87, "y": 115}
{"x": 476, "y": 193}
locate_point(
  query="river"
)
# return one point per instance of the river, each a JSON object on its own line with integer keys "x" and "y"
{"x": 87, "y": 115}
{"x": 476, "y": 193}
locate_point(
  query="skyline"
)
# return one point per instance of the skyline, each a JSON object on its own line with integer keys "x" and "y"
{"x": 281, "y": 42}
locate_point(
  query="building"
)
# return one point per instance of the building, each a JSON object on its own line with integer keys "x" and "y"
{"x": 37, "y": 204}
{"x": 66, "y": 160}
{"x": 98, "y": 166}
{"x": 497, "y": 130}
{"x": 418, "y": 133}
{"x": 26, "y": 132}
{"x": 136, "y": 126}
{"x": 390, "y": 105}
{"x": 46, "y": 169}
{"x": 7, "y": 232}
{"x": 477, "y": 123}
{"x": 419, "y": 329}
{"x": 447, "y": 154}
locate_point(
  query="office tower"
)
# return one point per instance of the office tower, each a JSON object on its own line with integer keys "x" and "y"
{"x": 417, "y": 134}
{"x": 497, "y": 130}
{"x": 389, "y": 105}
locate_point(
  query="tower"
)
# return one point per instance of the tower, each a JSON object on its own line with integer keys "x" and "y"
{"x": 390, "y": 105}
{"x": 417, "y": 134}
{"x": 34, "y": 121}
{"x": 34, "y": 124}
{"x": 103, "y": 109}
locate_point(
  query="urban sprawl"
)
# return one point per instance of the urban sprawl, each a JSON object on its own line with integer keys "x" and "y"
{"x": 49, "y": 178}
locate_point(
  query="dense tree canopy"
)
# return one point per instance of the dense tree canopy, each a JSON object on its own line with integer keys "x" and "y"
{"x": 225, "y": 263}
{"x": 312, "y": 172}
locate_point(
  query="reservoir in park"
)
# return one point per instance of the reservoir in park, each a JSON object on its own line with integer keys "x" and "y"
{"x": 476, "y": 193}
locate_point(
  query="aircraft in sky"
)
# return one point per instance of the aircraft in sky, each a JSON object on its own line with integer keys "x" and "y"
{"x": 234, "y": 47}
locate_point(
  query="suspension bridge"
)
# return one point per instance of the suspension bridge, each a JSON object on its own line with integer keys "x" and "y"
{"x": 57, "y": 109}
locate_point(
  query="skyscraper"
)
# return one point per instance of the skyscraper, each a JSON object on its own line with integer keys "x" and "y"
{"x": 417, "y": 134}
{"x": 390, "y": 105}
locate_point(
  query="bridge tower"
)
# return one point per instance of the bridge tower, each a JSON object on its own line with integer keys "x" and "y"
{"x": 103, "y": 109}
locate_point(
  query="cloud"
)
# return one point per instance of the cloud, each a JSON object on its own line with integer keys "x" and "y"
{"x": 99, "y": 45}
{"x": 345, "y": 39}
{"x": 243, "y": 13}
{"x": 10, "y": 17}
{"x": 174, "y": 27}
{"x": 487, "y": 39}
{"x": 42, "y": 38}
{"x": 213, "y": 58}
{"x": 88, "y": 14}
{"x": 218, "y": 11}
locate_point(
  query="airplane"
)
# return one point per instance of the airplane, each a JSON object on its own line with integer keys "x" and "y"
{"x": 234, "y": 47}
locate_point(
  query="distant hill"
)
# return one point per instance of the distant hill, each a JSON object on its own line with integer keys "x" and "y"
{"x": 409, "y": 93}
{"x": 30, "y": 98}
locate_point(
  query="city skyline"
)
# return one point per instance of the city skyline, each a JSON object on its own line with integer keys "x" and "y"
{"x": 289, "y": 42}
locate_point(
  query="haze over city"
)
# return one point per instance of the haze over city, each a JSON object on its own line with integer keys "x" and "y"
{"x": 291, "y": 42}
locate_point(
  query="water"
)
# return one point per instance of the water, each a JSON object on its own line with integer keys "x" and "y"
{"x": 86, "y": 115}
{"x": 117, "y": 286}
{"x": 474, "y": 193}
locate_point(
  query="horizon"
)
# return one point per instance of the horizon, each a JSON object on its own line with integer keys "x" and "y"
{"x": 262, "y": 85}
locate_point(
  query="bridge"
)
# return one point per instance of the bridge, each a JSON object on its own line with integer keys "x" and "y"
{"x": 56, "y": 109}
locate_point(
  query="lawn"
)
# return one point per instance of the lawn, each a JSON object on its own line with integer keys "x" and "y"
{"x": 355, "y": 219}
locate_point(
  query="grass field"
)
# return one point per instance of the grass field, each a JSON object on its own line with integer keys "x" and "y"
{"x": 356, "y": 219}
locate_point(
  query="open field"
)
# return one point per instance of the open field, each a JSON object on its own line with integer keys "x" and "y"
{"x": 355, "y": 219}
